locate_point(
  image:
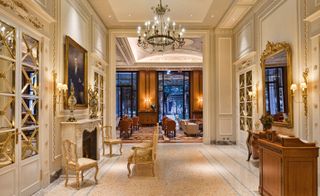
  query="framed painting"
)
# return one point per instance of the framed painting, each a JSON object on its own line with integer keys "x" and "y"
{"x": 76, "y": 71}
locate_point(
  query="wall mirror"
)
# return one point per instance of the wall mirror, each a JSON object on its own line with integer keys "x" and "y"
{"x": 277, "y": 77}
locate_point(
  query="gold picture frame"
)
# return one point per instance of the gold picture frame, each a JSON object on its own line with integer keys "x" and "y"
{"x": 76, "y": 72}
{"x": 271, "y": 50}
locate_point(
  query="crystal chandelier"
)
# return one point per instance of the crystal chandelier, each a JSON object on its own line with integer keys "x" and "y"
{"x": 161, "y": 33}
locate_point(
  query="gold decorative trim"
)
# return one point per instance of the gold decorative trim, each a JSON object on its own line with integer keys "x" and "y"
{"x": 271, "y": 50}
{"x": 20, "y": 10}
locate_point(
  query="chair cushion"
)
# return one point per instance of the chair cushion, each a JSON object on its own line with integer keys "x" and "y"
{"x": 141, "y": 156}
{"x": 112, "y": 141}
{"x": 83, "y": 162}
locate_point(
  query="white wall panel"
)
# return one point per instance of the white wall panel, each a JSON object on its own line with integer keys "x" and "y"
{"x": 244, "y": 40}
{"x": 75, "y": 23}
{"x": 225, "y": 125}
{"x": 225, "y": 74}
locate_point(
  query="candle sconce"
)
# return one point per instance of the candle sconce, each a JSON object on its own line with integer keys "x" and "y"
{"x": 304, "y": 90}
{"x": 59, "y": 90}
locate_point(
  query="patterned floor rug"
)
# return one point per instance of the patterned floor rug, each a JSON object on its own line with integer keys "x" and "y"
{"x": 145, "y": 133}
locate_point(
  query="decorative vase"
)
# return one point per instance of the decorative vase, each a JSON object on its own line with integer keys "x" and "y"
{"x": 72, "y": 101}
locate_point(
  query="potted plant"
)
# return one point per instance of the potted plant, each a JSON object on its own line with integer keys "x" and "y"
{"x": 266, "y": 121}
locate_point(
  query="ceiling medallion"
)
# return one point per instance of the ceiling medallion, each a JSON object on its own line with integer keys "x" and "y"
{"x": 161, "y": 33}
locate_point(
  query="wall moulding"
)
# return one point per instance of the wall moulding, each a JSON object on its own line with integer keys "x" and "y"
{"x": 20, "y": 10}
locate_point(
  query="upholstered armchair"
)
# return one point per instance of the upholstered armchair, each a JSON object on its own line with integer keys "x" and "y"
{"x": 125, "y": 128}
{"x": 107, "y": 140}
{"x": 191, "y": 129}
{"x": 145, "y": 154}
{"x": 135, "y": 122}
{"x": 79, "y": 165}
{"x": 164, "y": 123}
{"x": 170, "y": 127}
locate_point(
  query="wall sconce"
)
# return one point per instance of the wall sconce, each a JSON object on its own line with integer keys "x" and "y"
{"x": 304, "y": 90}
{"x": 147, "y": 102}
{"x": 200, "y": 101}
{"x": 62, "y": 91}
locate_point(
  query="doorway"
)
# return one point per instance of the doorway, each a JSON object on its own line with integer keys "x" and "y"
{"x": 174, "y": 94}
{"x": 126, "y": 94}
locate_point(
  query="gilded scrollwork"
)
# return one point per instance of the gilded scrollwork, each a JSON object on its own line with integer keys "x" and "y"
{"x": 20, "y": 10}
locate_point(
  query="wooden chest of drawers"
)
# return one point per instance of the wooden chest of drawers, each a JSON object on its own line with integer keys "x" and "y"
{"x": 148, "y": 118}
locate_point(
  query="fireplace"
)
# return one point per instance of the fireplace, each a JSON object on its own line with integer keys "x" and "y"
{"x": 89, "y": 144}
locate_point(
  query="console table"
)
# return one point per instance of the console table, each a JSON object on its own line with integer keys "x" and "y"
{"x": 74, "y": 132}
{"x": 148, "y": 118}
{"x": 288, "y": 166}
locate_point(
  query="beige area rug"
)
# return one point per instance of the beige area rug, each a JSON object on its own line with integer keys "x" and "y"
{"x": 145, "y": 133}
{"x": 179, "y": 171}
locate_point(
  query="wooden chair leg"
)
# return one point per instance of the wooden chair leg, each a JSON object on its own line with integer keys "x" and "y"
{"x": 67, "y": 177}
{"x": 78, "y": 180}
{"x": 82, "y": 176}
{"x": 120, "y": 148}
{"x": 129, "y": 170}
{"x": 153, "y": 174}
{"x": 103, "y": 148}
{"x": 96, "y": 174}
{"x": 110, "y": 148}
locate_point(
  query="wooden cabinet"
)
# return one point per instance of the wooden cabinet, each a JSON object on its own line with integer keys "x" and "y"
{"x": 288, "y": 167}
{"x": 148, "y": 118}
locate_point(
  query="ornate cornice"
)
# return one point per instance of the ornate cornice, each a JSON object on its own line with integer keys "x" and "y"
{"x": 20, "y": 10}
{"x": 273, "y": 48}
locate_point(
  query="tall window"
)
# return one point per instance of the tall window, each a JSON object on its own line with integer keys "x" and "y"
{"x": 174, "y": 94}
{"x": 275, "y": 90}
{"x": 127, "y": 94}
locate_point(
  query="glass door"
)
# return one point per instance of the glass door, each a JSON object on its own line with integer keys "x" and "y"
{"x": 19, "y": 111}
{"x": 126, "y": 94}
{"x": 174, "y": 94}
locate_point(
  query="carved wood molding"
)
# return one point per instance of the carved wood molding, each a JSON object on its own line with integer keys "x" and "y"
{"x": 20, "y": 10}
{"x": 274, "y": 48}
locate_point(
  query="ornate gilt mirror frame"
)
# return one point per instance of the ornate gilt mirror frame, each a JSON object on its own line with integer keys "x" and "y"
{"x": 271, "y": 50}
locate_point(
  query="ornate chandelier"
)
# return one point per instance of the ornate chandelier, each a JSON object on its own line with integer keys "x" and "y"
{"x": 161, "y": 33}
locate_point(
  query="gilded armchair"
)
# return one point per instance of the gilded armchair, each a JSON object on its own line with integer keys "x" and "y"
{"x": 144, "y": 154}
{"x": 79, "y": 165}
{"x": 107, "y": 139}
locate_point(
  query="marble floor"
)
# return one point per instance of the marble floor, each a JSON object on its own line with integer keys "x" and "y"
{"x": 181, "y": 169}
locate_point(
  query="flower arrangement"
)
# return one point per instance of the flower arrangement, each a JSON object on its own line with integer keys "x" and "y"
{"x": 266, "y": 121}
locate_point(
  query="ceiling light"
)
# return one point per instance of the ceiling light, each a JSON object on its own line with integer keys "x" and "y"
{"x": 110, "y": 16}
{"x": 191, "y": 15}
{"x": 212, "y": 16}
{"x": 129, "y": 15}
{"x": 161, "y": 33}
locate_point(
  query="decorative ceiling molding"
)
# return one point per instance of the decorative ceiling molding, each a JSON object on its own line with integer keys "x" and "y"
{"x": 20, "y": 10}
{"x": 235, "y": 13}
{"x": 124, "y": 48}
{"x": 192, "y": 15}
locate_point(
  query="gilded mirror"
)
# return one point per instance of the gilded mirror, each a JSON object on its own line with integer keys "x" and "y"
{"x": 277, "y": 77}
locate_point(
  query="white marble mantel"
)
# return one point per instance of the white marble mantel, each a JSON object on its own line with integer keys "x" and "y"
{"x": 73, "y": 131}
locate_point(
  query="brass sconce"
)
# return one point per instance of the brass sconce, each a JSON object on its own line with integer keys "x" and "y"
{"x": 304, "y": 90}
{"x": 62, "y": 91}
{"x": 147, "y": 102}
{"x": 200, "y": 101}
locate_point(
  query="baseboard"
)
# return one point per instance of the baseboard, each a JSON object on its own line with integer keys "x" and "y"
{"x": 55, "y": 175}
{"x": 223, "y": 142}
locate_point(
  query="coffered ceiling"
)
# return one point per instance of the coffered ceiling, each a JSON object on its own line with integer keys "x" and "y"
{"x": 191, "y": 13}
